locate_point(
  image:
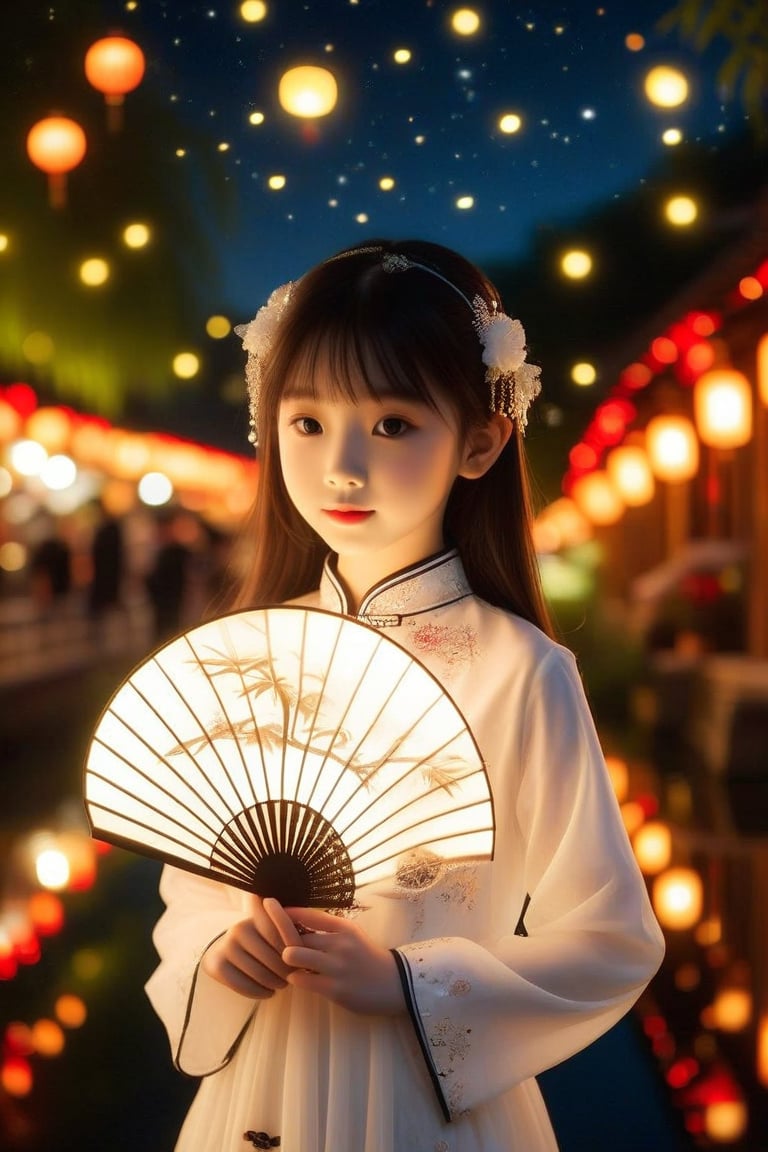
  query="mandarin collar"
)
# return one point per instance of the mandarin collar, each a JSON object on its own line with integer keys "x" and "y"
{"x": 432, "y": 583}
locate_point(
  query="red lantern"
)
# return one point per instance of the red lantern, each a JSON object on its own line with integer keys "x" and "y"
{"x": 114, "y": 66}
{"x": 56, "y": 145}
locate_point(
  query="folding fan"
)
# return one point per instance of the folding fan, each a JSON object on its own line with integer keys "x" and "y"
{"x": 288, "y": 751}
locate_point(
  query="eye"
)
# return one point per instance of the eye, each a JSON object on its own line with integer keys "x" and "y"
{"x": 392, "y": 426}
{"x": 307, "y": 425}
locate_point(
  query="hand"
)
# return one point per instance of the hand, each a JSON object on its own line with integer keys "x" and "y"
{"x": 247, "y": 958}
{"x": 336, "y": 959}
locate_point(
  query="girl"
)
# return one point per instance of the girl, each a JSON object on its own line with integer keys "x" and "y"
{"x": 389, "y": 394}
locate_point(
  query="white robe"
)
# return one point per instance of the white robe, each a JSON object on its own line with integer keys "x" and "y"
{"x": 492, "y": 1002}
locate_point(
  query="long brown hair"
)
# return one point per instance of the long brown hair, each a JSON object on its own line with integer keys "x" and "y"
{"x": 413, "y": 330}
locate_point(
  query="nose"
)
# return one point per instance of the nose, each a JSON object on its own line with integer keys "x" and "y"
{"x": 346, "y": 463}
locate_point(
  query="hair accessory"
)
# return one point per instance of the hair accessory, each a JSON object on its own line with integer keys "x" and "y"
{"x": 514, "y": 384}
{"x": 257, "y": 337}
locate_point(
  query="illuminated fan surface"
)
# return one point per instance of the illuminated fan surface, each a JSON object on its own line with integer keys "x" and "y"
{"x": 288, "y": 751}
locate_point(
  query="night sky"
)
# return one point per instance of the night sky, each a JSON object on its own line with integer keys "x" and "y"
{"x": 588, "y": 132}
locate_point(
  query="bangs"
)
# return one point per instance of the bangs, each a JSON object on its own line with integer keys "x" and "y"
{"x": 348, "y": 355}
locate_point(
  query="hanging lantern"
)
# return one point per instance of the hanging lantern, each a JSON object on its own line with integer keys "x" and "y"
{"x": 722, "y": 400}
{"x": 678, "y": 898}
{"x": 308, "y": 91}
{"x": 762, "y": 369}
{"x": 628, "y": 468}
{"x": 56, "y": 145}
{"x": 652, "y": 846}
{"x": 114, "y": 66}
{"x": 596, "y": 497}
{"x": 673, "y": 450}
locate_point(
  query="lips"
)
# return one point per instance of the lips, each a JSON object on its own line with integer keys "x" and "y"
{"x": 348, "y": 515}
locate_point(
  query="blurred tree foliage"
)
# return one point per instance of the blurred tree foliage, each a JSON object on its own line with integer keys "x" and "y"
{"x": 640, "y": 264}
{"x": 113, "y": 344}
{"x": 743, "y": 25}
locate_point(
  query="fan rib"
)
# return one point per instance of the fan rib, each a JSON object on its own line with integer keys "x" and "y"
{"x": 388, "y": 757}
{"x": 212, "y": 743}
{"x": 307, "y": 740}
{"x": 282, "y": 830}
{"x": 346, "y": 760}
{"x": 427, "y": 820}
{"x": 339, "y": 726}
{"x": 153, "y": 751}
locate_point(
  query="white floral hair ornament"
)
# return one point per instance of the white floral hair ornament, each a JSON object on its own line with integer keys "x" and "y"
{"x": 258, "y": 337}
{"x": 514, "y": 384}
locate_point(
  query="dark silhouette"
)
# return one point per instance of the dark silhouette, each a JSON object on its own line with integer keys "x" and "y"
{"x": 168, "y": 578}
{"x": 107, "y": 567}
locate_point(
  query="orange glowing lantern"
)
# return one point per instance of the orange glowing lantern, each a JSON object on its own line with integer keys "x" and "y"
{"x": 46, "y": 912}
{"x": 653, "y": 847}
{"x": 762, "y": 1050}
{"x": 51, "y": 427}
{"x": 10, "y": 422}
{"x": 631, "y": 474}
{"x": 597, "y": 498}
{"x": 56, "y": 145}
{"x": 722, "y": 401}
{"x": 16, "y": 1076}
{"x": 673, "y": 449}
{"x": 678, "y": 898}
{"x": 114, "y": 66}
{"x": 619, "y": 774}
{"x": 762, "y": 369}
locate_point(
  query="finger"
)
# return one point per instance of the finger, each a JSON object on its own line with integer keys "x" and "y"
{"x": 260, "y": 971}
{"x": 282, "y": 924}
{"x": 313, "y": 959}
{"x": 317, "y": 920}
{"x": 264, "y": 924}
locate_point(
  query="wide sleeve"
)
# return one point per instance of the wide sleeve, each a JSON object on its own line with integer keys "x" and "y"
{"x": 204, "y": 1019}
{"x": 491, "y": 1014}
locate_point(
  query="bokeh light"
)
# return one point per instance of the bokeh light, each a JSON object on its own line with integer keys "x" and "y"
{"x": 576, "y": 264}
{"x": 465, "y": 21}
{"x": 253, "y": 11}
{"x": 308, "y": 91}
{"x": 136, "y": 235}
{"x": 186, "y": 365}
{"x": 666, "y": 87}
{"x": 510, "y": 122}
{"x": 94, "y": 271}
{"x": 583, "y": 374}
{"x": 681, "y": 210}
{"x": 218, "y": 327}
{"x": 155, "y": 489}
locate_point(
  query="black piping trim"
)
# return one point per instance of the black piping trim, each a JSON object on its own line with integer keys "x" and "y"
{"x": 406, "y": 979}
{"x": 235, "y": 1044}
{"x": 520, "y": 928}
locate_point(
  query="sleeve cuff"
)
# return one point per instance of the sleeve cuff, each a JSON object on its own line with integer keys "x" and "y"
{"x": 406, "y": 980}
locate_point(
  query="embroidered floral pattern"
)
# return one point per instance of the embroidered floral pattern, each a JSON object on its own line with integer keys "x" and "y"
{"x": 459, "y": 988}
{"x": 451, "y": 1043}
{"x": 460, "y": 886}
{"x": 454, "y": 646}
{"x": 418, "y": 869}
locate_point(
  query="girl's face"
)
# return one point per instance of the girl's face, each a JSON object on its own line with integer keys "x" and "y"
{"x": 371, "y": 476}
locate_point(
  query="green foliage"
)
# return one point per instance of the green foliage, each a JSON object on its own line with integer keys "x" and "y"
{"x": 743, "y": 25}
{"x": 115, "y": 343}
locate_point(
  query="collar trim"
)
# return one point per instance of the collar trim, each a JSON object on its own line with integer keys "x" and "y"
{"x": 432, "y": 583}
